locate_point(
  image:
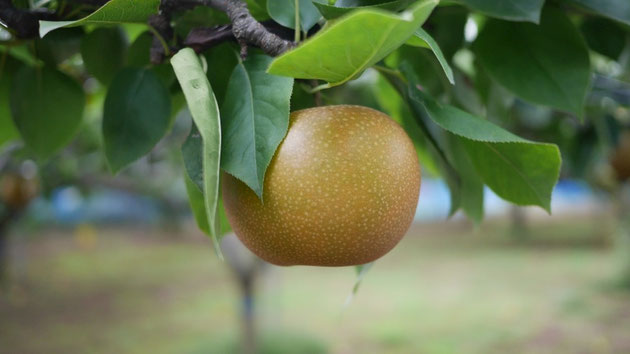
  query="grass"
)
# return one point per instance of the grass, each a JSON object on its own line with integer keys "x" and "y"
{"x": 442, "y": 290}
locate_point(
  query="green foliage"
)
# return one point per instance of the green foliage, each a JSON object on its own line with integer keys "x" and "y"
{"x": 138, "y": 55}
{"x": 446, "y": 25}
{"x": 136, "y": 116}
{"x": 513, "y": 10}
{"x": 618, "y": 10}
{"x": 258, "y": 9}
{"x": 471, "y": 189}
{"x": 47, "y": 108}
{"x": 255, "y": 120}
{"x": 604, "y": 37}
{"x": 221, "y": 62}
{"x": 360, "y": 40}
{"x": 516, "y": 169}
{"x": 113, "y": 12}
{"x": 110, "y": 40}
{"x": 422, "y": 39}
{"x": 205, "y": 112}
{"x": 8, "y": 131}
{"x": 342, "y": 7}
{"x": 546, "y": 64}
{"x": 283, "y": 12}
{"x": 519, "y": 75}
{"x": 192, "y": 153}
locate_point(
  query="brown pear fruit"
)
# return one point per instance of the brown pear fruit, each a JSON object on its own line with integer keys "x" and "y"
{"x": 341, "y": 190}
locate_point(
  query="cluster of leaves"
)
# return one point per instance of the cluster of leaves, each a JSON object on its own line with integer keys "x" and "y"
{"x": 454, "y": 94}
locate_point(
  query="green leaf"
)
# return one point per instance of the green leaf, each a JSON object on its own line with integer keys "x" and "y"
{"x": 422, "y": 39}
{"x": 59, "y": 46}
{"x": 221, "y": 62}
{"x": 446, "y": 25}
{"x": 192, "y": 152}
{"x": 615, "y": 9}
{"x": 138, "y": 55}
{"x": 136, "y": 116}
{"x": 205, "y": 113}
{"x": 350, "y": 45}
{"x": 518, "y": 170}
{"x": 361, "y": 271}
{"x": 472, "y": 185}
{"x": 604, "y": 36}
{"x": 103, "y": 51}
{"x": 341, "y": 8}
{"x": 258, "y": 9}
{"x": 283, "y": 12}
{"x": 47, "y": 108}
{"x": 197, "y": 204}
{"x": 113, "y": 12}
{"x": 8, "y": 131}
{"x": 390, "y": 102}
{"x": 512, "y": 10}
{"x": 546, "y": 64}
{"x": 434, "y": 145}
{"x": 255, "y": 120}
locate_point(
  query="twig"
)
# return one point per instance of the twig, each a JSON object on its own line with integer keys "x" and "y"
{"x": 247, "y": 30}
{"x": 24, "y": 23}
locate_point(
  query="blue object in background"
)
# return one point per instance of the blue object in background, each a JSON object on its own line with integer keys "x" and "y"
{"x": 434, "y": 203}
{"x": 67, "y": 206}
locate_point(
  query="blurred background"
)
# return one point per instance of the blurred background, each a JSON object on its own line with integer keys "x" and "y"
{"x": 94, "y": 263}
{"x": 109, "y": 269}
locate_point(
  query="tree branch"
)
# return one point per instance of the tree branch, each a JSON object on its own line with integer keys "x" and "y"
{"x": 247, "y": 30}
{"x": 25, "y": 23}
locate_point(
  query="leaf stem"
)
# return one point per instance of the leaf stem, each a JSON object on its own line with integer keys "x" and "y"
{"x": 297, "y": 20}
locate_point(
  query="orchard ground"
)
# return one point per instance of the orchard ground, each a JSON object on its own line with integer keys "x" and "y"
{"x": 444, "y": 289}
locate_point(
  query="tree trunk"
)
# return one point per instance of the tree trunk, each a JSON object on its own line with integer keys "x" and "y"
{"x": 622, "y": 242}
{"x": 248, "y": 322}
{"x": 518, "y": 217}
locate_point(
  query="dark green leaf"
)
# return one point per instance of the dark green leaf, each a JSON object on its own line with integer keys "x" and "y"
{"x": 200, "y": 16}
{"x": 138, "y": 55}
{"x": 350, "y": 45}
{"x": 103, "y": 51}
{"x": 59, "y": 46}
{"x": 136, "y": 116}
{"x": 193, "y": 159}
{"x": 255, "y": 120}
{"x": 422, "y": 39}
{"x": 221, "y": 62}
{"x": 343, "y": 7}
{"x": 512, "y": 10}
{"x": 518, "y": 170}
{"x": 258, "y": 9}
{"x": 47, "y": 108}
{"x": 446, "y": 25}
{"x": 616, "y": 9}
{"x": 604, "y": 36}
{"x": 205, "y": 113}
{"x": 546, "y": 64}
{"x": 8, "y": 131}
{"x": 283, "y": 12}
{"x": 113, "y": 12}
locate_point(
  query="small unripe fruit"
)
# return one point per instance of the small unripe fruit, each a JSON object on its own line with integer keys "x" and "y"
{"x": 341, "y": 190}
{"x": 16, "y": 191}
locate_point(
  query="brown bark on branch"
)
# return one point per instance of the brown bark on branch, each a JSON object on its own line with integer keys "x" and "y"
{"x": 247, "y": 30}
